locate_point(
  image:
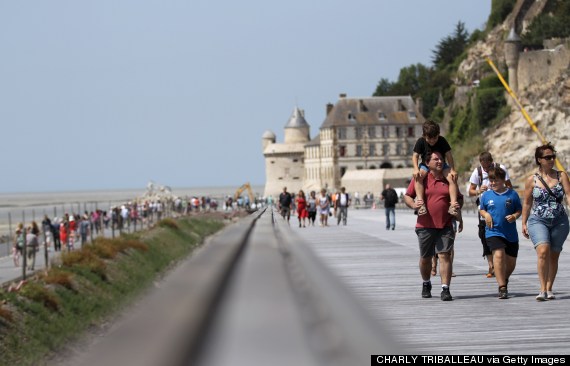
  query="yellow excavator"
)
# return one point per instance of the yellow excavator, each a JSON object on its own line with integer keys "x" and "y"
{"x": 240, "y": 190}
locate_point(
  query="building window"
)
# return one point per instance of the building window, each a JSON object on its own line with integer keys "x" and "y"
{"x": 342, "y": 170}
{"x": 358, "y": 150}
{"x": 381, "y": 116}
{"x": 410, "y": 149}
{"x": 399, "y": 149}
{"x": 272, "y": 161}
{"x": 398, "y": 132}
{"x": 358, "y": 132}
{"x": 350, "y": 116}
{"x": 359, "y": 167}
{"x": 287, "y": 172}
{"x": 372, "y": 150}
{"x": 385, "y": 132}
{"x": 372, "y": 132}
{"x": 385, "y": 149}
{"x": 411, "y": 132}
{"x": 342, "y": 133}
{"x": 342, "y": 151}
{"x": 412, "y": 114}
{"x": 295, "y": 160}
{"x": 295, "y": 178}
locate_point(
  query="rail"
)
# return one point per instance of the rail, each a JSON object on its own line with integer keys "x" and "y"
{"x": 255, "y": 294}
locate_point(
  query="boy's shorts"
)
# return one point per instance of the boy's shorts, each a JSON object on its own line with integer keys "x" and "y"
{"x": 425, "y": 168}
{"x": 498, "y": 242}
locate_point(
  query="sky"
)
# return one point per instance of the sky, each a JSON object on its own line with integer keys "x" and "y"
{"x": 111, "y": 94}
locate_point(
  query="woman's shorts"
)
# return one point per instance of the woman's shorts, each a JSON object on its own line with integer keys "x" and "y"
{"x": 552, "y": 231}
{"x": 498, "y": 242}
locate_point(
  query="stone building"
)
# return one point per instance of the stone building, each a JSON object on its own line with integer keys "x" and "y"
{"x": 357, "y": 135}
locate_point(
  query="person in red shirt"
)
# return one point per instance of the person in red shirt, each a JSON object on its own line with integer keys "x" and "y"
{"x": 434, "y": 230}
{"x": 302, "y": 213}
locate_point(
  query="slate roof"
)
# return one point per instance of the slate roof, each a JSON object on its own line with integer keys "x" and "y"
{"x": 365, "y": 111}
{"x": 297, "y": 120}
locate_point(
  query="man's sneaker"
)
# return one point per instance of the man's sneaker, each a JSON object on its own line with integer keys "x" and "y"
{"x": 550, "y": 295}
{"x": 503, "y": 293}
{"x": 445, "y": 295}
{"x": 426, "y": 290}
{"x": 542, "y": 296}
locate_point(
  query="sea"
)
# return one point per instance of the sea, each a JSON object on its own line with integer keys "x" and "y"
{"x": 28, "y": 207}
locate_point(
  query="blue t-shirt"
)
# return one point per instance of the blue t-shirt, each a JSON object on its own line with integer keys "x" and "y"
{"x": 500, "y": 205}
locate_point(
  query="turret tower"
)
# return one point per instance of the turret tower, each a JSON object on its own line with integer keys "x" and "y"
{"x": 297, "y": 130}
{"x": 512, "y": 50}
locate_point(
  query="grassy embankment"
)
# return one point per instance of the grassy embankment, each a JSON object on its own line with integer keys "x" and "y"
{"x": 89, "y": 285}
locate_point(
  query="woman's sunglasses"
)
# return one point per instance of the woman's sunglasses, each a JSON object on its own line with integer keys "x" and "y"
{"x": 549, "y": 157}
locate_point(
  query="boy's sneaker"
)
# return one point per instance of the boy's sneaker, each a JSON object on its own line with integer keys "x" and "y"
{"x": 550, "y": 295}
{"x": 426, "y": 290}
{"x": 542, "y": 296}
{"x": 422, "y": 210}
{"x": 503, "y": 293}
{"x": 453, "y": 212}
{"x": 445, "y": 295}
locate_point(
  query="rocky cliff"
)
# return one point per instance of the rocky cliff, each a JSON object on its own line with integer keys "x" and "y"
{"x": 544, "y": 91}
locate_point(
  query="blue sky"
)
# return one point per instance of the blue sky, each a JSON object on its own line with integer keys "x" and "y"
{"x": 110, "y": 94}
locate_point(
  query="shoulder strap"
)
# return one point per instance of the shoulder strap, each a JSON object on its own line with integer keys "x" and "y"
{"x": 480, "y": 172}
{"x": 548, "y": 188}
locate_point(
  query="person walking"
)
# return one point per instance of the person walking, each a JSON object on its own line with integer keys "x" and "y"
{"x": 478, "y": 184}
{"x": 301, "y": 208}
{"x": 19, "y": 242}
{"x": 324, "y": 207}
{"x": 500, "y": 207}
{"x": 284, "y": 205}
{"x": 390, "y": 198}
{"x": 544, "y": 219}
{"x": 435, "y": 231}
{"x": 341, "y": 204}
{"x": 31, "y": 246}
{"x": 312, "y": 208}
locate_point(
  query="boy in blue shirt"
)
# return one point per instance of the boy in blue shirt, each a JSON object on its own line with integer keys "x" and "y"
{"x": 501, "y": 207}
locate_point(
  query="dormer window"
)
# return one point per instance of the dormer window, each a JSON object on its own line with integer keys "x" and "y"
{"x": 381, "y": 116}
{"x": 412, "y": 114}
{"x": 350, "y": 116}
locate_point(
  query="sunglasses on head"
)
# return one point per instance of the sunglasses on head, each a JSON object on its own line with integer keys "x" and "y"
{"x": 549, "y": 157}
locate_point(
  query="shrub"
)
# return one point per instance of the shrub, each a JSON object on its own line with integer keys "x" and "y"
{"x": 6, "y": 314}
{"x": 169, "y": 223}
{"x": 56, "y": 276}
{"x": 38, "y": 293}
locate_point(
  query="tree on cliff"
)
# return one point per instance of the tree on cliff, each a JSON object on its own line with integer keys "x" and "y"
{"x": 450, "y": 47}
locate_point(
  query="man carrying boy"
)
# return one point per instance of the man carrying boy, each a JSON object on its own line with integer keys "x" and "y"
{"x": 435, "y": 231}
{"x": 501, "y": 207}
{"x": 430, "y": 142}
{"x": 479, "y": 183}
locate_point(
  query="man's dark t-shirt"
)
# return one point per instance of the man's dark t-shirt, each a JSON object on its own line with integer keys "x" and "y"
{"x": 390, "y": 197}
{"x": 285, "y": 199}
{"x": 422, "y": 147}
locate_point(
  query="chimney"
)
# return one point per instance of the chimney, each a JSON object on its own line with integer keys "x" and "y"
{"x": 420, "y": 105}
{"x": 329, "y": 108}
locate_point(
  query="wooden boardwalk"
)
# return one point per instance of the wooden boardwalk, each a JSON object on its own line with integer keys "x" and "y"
{"x": 381, "y": 267}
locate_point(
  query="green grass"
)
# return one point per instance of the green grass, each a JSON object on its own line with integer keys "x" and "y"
{"x": 91, "y": 284}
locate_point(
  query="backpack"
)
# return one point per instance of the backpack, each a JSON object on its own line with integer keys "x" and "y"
{"x": 480, "y": 173}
